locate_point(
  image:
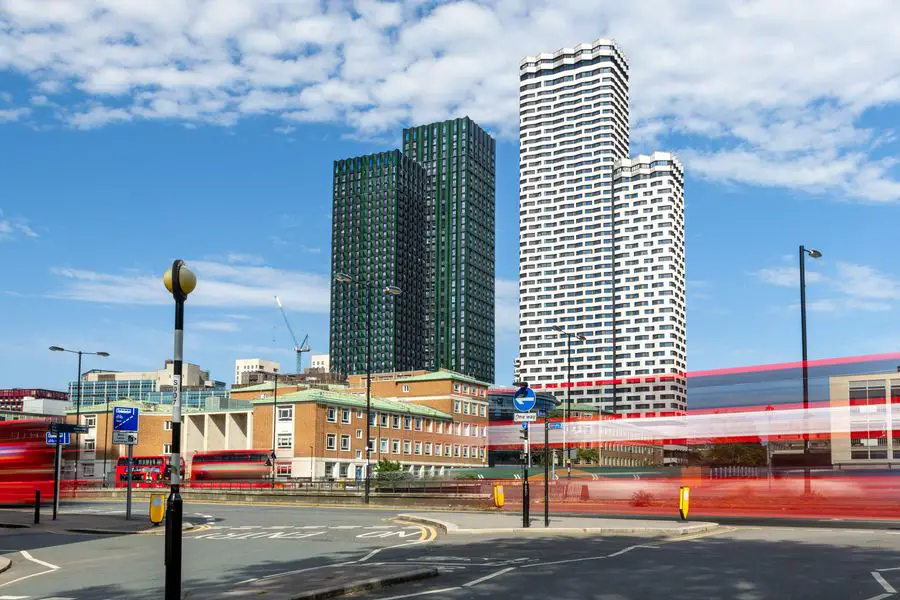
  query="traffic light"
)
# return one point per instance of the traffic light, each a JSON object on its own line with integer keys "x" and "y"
{"x": 523, "y": 433}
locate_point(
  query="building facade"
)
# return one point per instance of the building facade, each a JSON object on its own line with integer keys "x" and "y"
{"x": 459, "y": 161}
{"x": 254, "y": 365}
{"x": 102, "y": 387}
{"x": 33, "y": 401}
{"x": 865, "y": 420}
{"x": 320, "y": 362}
{"x": 595, "y": 246}
{"x": 378, "y": 239}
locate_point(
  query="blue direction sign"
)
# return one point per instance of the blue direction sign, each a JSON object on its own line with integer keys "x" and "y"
{"x": 555, "y": 425}
{"x": 524, "y": 399}
{"x": 50, "y": 438}
{"x": 125, "y": 418}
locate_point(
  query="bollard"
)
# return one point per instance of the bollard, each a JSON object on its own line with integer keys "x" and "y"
{"x": 37, "y": 506}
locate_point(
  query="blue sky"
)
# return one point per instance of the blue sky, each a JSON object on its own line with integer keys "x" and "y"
{"x": 207, "y": 133}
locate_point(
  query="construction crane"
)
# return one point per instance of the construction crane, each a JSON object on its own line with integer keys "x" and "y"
{"x": 299, "y": 348}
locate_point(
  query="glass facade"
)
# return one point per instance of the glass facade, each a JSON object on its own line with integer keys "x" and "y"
{"x": 94, "y": 393}
{"x": 378, "y": 237}
{"x": 458, "y": 157}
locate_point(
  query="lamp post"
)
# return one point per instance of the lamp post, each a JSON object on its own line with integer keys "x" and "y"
{"x": 569, "y": 335}
{"x": 80, "y": 353}
{"x": 807, "y": 484}
{"x": 180, "y": 281}
{"x": 390, "y": 290}
{"x": 274, "y": 422}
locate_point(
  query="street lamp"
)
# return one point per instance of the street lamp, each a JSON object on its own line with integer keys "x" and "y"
{"x": 807, "y": 484}
{"x": 390, "y": 290}
{"x": 180, "y": 281}
{"x": 78, "y": 411}
{"x": 569, "y": 335}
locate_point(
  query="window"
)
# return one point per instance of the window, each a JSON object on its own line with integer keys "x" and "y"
{"x": 427, "y": 448}
{"x": 90, "y": 421}
{"x": 456, "y": 450}
{"x": 395, "y": 446}
{"x": 405, "y": 388}
{"x": 407, "y": 422}
{"x": 459, "y": 429}
{"x": 329, "y": 470}
{"x": 437, "y": 449}
{"x": 345, "y": 415}
{"x": 395, "y": 421}
{"x": 455, "y": 387}
{"x": 283, "y": 470}
{"x": 418, "y": 447}
{"x": 89, "y": 444}
{"x": 430, "y": 425}
{"x": 465, "y": 452}
{"x": 384, "y": 420}
{"x": 285, "y": 440}
{"x": 384, "y": 445}
{"x": 167, "y": 426}
{"x": 406, "y": 446}
{"x": 345, "y": 443}
{"x": 167, "y": 448}
{"x": 88, "y": 470}
{"x": 344, "y": 470}
{"x": 330, "y": 441}
{"x": 456, "y": 405}
{"x": 440, "y": 427}
{"x": 448, "y": 450}
{"x": 465, "y": 408}
{"x": 359, "y": 454}
{"x": 467, "y": 430}
{"x": 332, "y": 415}
{"x": 359, "y": 414}
{"x": 359, "y": 434}
{"x": 418, "y": 423}
{"x": 285, "y": 413}
{"x": 483, "y": 410}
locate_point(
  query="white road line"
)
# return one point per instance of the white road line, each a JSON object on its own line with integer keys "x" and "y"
{"x": 491, "y": 576}
{"x": 14, "y": 597}
{"x": 428, "y": 593}
{"x": 886, "y": 570}
{"x": 251, "y": 580}
{"x": 880, "y": 597}
{"x": 40, "y": 562}
{"x": 883, "y": 582}
{"x": 569, "y": 560}
{"x": 623, "y": 551}
{"x": 377, "y": 550}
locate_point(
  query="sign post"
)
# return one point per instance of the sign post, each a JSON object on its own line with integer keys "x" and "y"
{"x": 125, "y": 427}
{"x": 57, "y": 465}
{"x": 523, "y": 401}
{"x": 57, "y": 436}
{"x": 546, "y": 470}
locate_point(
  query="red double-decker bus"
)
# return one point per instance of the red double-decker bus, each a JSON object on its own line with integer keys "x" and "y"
{"x": 146, "y": 472}
{"x": 248, "y": 468}
{"x": 26, "y": 461}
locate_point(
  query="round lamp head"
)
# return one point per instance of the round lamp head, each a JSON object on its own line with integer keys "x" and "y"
{"x": 179, "y": 280}
{"x": 187, "y": 279}
{"x": 582, "y": 337}
{"x": 392, "y": 290}
{"x": 558, "y": 328}
{"x": 343, "y": 277}
{"x": 813, "y": 253}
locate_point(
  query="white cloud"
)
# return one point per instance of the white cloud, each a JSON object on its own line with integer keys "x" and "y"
{"x": 245, "y": 259}
{"x": 11, "y": 229}
{"x": 787, "y": 276}
{"x": 219, "y": 285}
{"x": 11, "y": 115}
{"x": 6, "y": 97}
{"x": 747, "y": 76}
{"x": 225, "y": 326}
{"x": 506, "y": 306}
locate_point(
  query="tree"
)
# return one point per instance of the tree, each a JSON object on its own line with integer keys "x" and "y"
{"x": 735, "y": 455}
{"x": 588, "y": 455}
{"x": 387, "y": 466}
{"x": 387, "y": 470}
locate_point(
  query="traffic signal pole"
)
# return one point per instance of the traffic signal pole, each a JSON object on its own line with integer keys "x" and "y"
{"x": 546, "y": 470}
{"x": 526, "y": 493}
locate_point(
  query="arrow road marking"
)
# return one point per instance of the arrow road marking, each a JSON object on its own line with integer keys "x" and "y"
{"x": 883, "y": 582}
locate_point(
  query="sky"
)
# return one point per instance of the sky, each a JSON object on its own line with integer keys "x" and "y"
{"x": 133, "y": 133}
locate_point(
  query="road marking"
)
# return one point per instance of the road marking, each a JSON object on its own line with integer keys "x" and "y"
{"x": 428, "y": 535}
{"x": 883, "y": 582}
{"x": 427, "y": 593}
{"x": 40, "y": 562}
{"x": 880, "y": 597}
{"x": 623, "y": 551}
{"x": 13, "y": 597}
{"x": 491, "y": 576}
{"x": 251, "y": 580}
{"x": 886, "y": 570}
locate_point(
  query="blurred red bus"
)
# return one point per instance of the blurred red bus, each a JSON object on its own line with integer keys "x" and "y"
{"x": 146, "y": 472}
{"x": 26, "y": 461}
{"x": 226, "y": 467}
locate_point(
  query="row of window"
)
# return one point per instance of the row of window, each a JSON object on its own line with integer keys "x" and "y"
{"x": 393, "y": 446}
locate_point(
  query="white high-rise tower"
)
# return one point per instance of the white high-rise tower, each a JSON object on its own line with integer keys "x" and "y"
{"x": 601, "y": 261}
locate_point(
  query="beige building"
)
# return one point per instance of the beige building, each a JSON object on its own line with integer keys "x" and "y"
{"x": 245, "y": 366}
{"x": 865, "y": 420}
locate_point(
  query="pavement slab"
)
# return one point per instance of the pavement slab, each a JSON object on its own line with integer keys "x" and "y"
{"x": 325, "y": 582}
{"x": 458, "y": 523}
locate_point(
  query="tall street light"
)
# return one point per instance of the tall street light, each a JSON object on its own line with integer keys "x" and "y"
{"x": 80, "y": 353}
{"x": 390, "y": 290}
{"x": 807, "y": 484}
{"x": 569, "y": 335}
{"x": 180, "y": 281}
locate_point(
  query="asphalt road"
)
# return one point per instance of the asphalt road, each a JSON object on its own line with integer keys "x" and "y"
{"x": 234, "y": 544}
{"x": 230, "y": 544}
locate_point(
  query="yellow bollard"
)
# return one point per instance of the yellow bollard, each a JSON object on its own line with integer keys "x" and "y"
{"x": 157, "y": 508}
{"x": 498, "y": 496}
{"x": 684, "y": 500}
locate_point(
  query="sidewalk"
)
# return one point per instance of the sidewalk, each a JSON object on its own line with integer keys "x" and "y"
{"x": 112, "y": 524}
{"x": 316, "y": 583}
{"x": 511, "y": 524}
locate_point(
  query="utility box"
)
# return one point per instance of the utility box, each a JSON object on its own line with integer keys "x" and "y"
{"x": 157, "y": 508}
{"x": 498, "y": 496}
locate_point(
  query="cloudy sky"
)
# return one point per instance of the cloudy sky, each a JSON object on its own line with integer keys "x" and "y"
{"x": 135, "y": 132}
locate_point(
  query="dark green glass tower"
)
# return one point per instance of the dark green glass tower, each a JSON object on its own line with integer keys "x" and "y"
{"x": 378, "y": 239}
{"x": 458, "y": 157}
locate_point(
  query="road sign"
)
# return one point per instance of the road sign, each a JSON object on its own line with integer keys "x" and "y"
{"x": 524, "y": 417}
{"x": 555, "y": 425}
{"x": 125, "y": 418}
{"x": 125, "y": 437}
{"x": 57, "y": 428}
{"x": 524, "y": 399}
{"x": 51, "y": 438}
